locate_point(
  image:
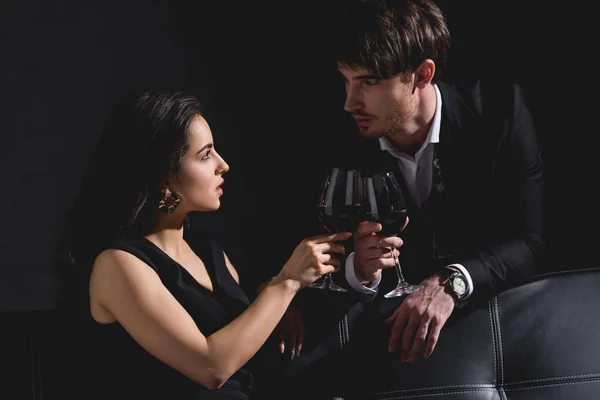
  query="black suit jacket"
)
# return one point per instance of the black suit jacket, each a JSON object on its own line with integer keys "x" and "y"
{"x": 489, "y": 216}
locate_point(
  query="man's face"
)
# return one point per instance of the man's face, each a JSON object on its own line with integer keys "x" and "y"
{"x": 381, "y": 107}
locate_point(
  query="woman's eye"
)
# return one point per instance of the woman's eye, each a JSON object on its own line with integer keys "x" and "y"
{"x": 206, "y": 156}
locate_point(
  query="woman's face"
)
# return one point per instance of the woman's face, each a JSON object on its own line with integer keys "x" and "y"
{"x": 199, "y": 179}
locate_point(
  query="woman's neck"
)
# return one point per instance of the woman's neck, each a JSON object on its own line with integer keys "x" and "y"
{"x": 168, "y": 234}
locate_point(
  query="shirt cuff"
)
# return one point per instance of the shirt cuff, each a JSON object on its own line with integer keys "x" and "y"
{"x": 460, "y": 268}
{"x": 353, "y": 280}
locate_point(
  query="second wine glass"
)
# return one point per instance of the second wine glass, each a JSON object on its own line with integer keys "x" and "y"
{"x": 386, "y": 204}
{"x": 340, "y": 208}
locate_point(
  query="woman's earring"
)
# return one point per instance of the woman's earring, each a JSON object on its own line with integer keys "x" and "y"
{"x": 169, "y": 202}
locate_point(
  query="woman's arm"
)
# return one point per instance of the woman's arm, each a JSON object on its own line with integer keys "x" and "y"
{"x": 125, "y": 288}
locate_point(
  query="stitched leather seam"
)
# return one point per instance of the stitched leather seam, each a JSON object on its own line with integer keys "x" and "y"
{"x": 574, "y": 382}
{"x": 488, "y": 387}
{"x": 347, "y": 329}
{"x": 494, "y": 341}
{"x": 499, "y": 341}
{"x": 556, "y": 378}
{"x": 343, "y": 331}
{"x": 470, "y": 386}
{"x": 498, "y": 335}
{"x": 340, "y": 332}
{"x": 486, "y": 390}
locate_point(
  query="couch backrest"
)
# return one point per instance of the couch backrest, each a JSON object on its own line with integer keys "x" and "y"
{"x": 537, "y": 341}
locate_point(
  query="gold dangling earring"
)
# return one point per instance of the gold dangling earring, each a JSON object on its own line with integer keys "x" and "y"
{"x": 169, "y": 202}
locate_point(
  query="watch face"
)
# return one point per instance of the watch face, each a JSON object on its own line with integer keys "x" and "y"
{"x": 459, "y": 285}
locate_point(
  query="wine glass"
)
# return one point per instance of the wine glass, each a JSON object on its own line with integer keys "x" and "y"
{"x": 339, "y": 206}
{"x": 385, "y": 203}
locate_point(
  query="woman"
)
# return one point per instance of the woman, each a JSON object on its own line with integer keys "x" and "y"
{"x": 167, "y": 317}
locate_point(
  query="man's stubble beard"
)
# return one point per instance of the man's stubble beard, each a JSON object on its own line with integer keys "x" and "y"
{"x": 396, "y": 120}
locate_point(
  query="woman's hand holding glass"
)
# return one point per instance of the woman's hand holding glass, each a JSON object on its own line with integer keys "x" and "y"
{"x": 314, "y": 257}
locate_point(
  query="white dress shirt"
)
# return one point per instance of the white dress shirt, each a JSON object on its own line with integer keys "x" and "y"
{"x": 418, "y": 175}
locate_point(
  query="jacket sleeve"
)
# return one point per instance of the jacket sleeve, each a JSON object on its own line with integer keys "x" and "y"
{"x": 516, "y": 250}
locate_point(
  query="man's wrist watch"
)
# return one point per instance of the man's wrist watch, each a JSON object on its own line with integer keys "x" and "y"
{"x": 458, "y": 283}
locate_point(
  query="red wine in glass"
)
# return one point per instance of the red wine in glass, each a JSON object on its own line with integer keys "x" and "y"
{"x": 392, "y": 221}
{"x": 344, "y": 220}
{"x": 385, "y": 203}
{"x": 339, "y": 208}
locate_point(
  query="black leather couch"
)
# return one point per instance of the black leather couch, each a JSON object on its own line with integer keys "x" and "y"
{"x": 540, "y": 341}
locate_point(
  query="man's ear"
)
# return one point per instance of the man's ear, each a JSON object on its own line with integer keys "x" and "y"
{"x": 424, "y": 73}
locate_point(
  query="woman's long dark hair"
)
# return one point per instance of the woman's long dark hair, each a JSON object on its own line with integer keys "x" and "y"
{"x": 143, "y": 140}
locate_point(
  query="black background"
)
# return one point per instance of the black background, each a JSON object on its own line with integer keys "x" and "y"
{"x": 272, "y": 103}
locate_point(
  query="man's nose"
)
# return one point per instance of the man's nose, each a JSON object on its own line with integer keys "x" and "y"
{"x": 352, "y": 102}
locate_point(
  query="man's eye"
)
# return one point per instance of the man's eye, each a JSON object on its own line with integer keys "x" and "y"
{"x": 370, "y": 82}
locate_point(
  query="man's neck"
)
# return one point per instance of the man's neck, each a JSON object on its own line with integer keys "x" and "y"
{"x": 410, "y": 146}
{"x": 410, "y": 142}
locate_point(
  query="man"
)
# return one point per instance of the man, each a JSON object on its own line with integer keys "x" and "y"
{"x": 466, "y": 152}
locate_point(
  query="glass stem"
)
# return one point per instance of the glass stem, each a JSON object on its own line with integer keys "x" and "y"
{"x": 328, "y": 280}
{"x": 398, "y": 270}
